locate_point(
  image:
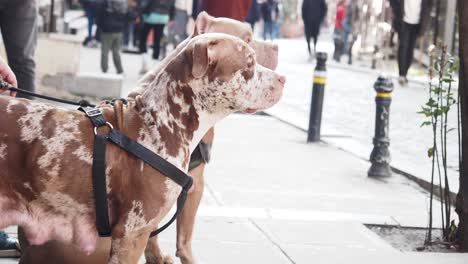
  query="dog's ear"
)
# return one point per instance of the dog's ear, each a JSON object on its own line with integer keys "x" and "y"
{"x": 201, "y": 23}
{"x": 200, "y": 59}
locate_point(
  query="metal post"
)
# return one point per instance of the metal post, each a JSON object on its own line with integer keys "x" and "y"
{"x": 380, "y": 156}
{"x": 318, "y": 91}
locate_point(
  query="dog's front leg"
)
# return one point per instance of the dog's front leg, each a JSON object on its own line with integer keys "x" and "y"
{"x": 154, "y": 254}
{"x": 186, "y": 219}
{"x": 128, "y": 249}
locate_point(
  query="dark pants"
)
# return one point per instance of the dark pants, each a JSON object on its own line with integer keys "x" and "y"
{"x": 128, "y": 34}
{"x": 311, "y": 30}
{"x": 111, "y": 42}
{"x": 91, "y": 15}
{"x": 339, "y": 44}
{"x": 268, "y": 30}
{"x": 157, "y": 36}
{"x": 18, "y": 22}
{"x": 406, "y": 42}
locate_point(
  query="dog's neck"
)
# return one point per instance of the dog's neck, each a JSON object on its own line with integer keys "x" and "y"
{"x": 175, "y": 117}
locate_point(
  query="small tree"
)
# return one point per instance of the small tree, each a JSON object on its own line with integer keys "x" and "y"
{"x": 440, "y": 102}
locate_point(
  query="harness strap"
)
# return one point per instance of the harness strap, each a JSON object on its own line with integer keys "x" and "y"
{"x": 99, "y": 186}
{"x": 150, "y": 158}
{"x": 159, "y": 164}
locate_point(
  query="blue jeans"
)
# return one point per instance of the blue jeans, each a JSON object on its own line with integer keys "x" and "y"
{"x": 128, "y": 37}
{"x": 268, "y": 29}
{"x": 91, "y": 15}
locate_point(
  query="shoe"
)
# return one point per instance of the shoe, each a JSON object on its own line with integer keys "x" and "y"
{"x": 9, "y": 248}
{"x": 144, "y": 63}
{"x": 403, "y": 81}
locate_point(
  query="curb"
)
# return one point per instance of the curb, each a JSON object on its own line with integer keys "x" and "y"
{"x": 420, "y": 182}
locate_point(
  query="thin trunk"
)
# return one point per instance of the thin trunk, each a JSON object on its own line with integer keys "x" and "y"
{"x": 448, "y": 204}
{"x": 434, "y": 155}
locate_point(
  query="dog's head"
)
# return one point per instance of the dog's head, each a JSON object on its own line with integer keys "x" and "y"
{"x": 266, "y": 52}
{"x": 224, "y": 76}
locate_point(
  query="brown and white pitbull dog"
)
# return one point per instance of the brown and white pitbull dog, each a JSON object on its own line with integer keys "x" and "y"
{"x": 45, "y": 151}
{"x": 267, "y": 56}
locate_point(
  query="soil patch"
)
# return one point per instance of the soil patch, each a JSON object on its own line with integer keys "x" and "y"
{"x": 412, "y": 238}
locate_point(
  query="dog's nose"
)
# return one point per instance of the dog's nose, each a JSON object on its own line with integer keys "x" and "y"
{"x": 282, "y": 79}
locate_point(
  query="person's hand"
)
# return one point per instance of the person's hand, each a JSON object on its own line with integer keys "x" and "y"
{"x": 7, "y": 74}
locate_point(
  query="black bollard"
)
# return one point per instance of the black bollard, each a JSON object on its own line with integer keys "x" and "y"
{"x": 318, "y": 91}
{"x": 380, "y": 156}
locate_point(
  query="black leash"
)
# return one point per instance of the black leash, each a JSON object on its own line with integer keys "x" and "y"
{"x": 5, "y": 85}
{"x": 99, "y": 161}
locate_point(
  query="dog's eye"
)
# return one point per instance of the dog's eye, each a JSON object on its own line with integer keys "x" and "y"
{"x": 248, "y": 40}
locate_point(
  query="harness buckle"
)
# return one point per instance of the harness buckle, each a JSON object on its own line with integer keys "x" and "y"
{"x": 92, "y": 112}
{"x": 107, "y": 123}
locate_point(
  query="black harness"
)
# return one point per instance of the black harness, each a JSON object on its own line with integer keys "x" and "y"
{"x": 99, "y": 162}
{"x": 136, "y": 149}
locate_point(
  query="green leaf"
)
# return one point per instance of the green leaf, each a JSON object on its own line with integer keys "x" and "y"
{"x": 430, "y": 152}
{"x": 426, "y": 123}
{"x": 451, "y": 129}
{"x": 448, "y": 80}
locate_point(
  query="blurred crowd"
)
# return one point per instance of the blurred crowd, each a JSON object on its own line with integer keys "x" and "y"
{"x": 410, "y": 18}
{"x": 133, "y": 25}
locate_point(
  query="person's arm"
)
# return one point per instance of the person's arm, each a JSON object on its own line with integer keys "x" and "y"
{"x": 7, "y": 74}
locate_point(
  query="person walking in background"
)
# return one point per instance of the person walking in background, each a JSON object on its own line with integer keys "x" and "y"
{"x": 18, "y": 24}
{"x": 155, "y": 15}
{"x": 129, "y": 28}
{"x": 90, "y": 8}
{"x": 313, "y": 14}
{"x": 112, "y": 15}
{"x": 254, "y": 14}
{"x": 338, "y": 32}
{"x": 270, "y": 12}
{"x": 411, "y": 17}
{"x": 183, "y": 10}
{"x": 235, "y": 9}
{"x": 350, "y": 26}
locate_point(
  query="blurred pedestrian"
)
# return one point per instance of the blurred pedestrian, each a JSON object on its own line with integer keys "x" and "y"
{"x": 411, "y": 18}
{"x": 313, "y": 14}
{"x": 350, "y": 28}
{"x": 270, "y": 14}
{"x": 254, "y": 14}
{"x": 129, "y": 28}
{"x": 90, "y": 8}
{"x": 112, "y": 16}
{"x": 338, "y": 31}
{"x": 235, "y": 9}
{"x": 178, "y": 29}
{"x": 18, "y": 23}
{"x": 155, "y": 15}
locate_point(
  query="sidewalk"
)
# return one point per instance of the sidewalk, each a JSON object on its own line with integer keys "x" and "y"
{"x": 349, "y": 111}
{"x": 272, "y": 198}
